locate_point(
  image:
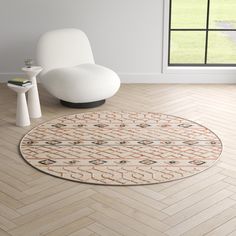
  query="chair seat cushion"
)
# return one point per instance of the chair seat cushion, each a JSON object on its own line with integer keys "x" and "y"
{"x": 83, "y": 83}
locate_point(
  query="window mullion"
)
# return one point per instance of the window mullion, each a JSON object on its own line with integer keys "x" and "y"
{"x": 207, "y": 30}
{"x": 169, "y": 36}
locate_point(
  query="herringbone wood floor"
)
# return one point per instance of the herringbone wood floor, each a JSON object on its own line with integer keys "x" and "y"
{"x": 33, "y": 203}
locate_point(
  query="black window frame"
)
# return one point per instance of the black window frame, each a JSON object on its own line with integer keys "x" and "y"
{"x": 207, "y": 30}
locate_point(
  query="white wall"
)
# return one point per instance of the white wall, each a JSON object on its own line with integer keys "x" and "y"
{"x": 126, "y": 35}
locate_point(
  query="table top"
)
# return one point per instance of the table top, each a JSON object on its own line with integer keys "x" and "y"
{"x": 32, "y": 68}
{"x": 18, "y": 88}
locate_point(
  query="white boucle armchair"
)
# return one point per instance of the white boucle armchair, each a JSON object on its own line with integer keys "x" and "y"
{"x": 69, "y": 71}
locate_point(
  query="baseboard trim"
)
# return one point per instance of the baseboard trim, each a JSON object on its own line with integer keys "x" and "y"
{"x": 164, "y": 78}
{"x": 158, "y": 78}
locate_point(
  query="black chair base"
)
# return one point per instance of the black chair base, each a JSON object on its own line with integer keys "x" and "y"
{"x": 83, "y": 105}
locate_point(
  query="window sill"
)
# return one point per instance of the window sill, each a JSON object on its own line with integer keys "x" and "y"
{"x": 199, "y": 70}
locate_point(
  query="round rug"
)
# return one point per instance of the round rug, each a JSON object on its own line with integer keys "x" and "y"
{"x": 121, "y": 148}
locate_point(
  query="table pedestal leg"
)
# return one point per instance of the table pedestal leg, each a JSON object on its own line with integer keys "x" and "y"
{"x": 33, "y": 100}
{"x": 22, "y": 114}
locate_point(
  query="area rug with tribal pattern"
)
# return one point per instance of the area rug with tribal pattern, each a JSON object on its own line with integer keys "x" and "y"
{"x": 121, "y": 148}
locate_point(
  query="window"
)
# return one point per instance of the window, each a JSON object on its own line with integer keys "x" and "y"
{"x": 202, "y": 33}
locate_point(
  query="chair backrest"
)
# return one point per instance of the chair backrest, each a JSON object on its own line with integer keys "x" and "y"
{"x": 63, "y": 48}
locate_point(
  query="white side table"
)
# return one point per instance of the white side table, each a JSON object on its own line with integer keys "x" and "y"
{"x": 22, "y": 114}
{"x": 33, "y": 95}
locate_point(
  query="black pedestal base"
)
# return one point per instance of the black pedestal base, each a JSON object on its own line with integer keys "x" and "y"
{"x": 83, "y": 105}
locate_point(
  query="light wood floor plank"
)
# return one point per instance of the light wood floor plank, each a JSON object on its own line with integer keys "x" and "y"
{"x": 101, "y": 230}
{"x": 183, "y": 215}
{"x": 51, "y": 199}
{"x": 76, "y": 200}
{"x": 212, "y": 223}
{"x": 71, "y": 228}
{"x": 200, "y": 217}
{"x": 114, "y": 225}
{"x": 224, "y": 229}
{"x": 51, "y": 222}
{"x": 83, "y": 232}
{"x": 195, "y": 198}
{"x": 131, "y": 212}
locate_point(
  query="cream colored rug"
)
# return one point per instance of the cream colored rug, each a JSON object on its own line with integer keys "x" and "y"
{"x": 121, "y": 148}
